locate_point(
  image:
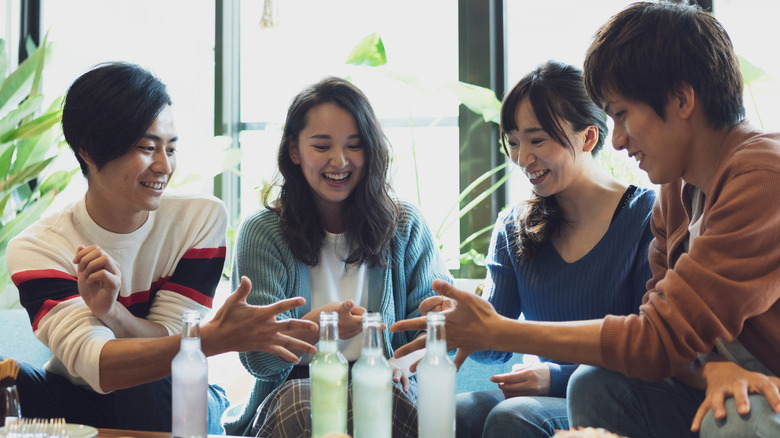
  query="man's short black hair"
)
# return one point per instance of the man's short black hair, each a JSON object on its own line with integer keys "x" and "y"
{"x": 108, "y": 110}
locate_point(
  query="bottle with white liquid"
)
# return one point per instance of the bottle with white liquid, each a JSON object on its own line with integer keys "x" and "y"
{"x": 328, "y": 371}
{"x": 189, "y": 376}
{"x": 436, "y": 384}
{"x": 372, "y": 384}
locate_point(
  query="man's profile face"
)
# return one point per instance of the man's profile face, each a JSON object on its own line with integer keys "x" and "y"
{"x": 131, "y": 185}
{"x": 654, "y": 142}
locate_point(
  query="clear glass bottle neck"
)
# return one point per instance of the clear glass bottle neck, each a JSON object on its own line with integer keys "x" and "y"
{"x": 191, "y": 328}
{"x": 372, "y": 336}
{"x": 435, "y": 337}
{"x": 329, "y": 326}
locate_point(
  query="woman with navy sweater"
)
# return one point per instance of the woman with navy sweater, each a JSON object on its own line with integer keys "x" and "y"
{"x": 554, "y": 257}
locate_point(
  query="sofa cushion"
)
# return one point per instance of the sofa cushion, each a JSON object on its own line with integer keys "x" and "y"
{"x": 17, "y": 339}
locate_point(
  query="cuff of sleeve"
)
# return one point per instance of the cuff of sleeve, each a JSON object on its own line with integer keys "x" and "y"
{"x": 558, "y": 380}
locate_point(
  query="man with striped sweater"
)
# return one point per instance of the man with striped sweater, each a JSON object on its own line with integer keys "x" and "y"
{"x": 106, "y": 281}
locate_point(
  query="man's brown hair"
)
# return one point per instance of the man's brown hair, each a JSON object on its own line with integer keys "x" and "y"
{"x": 649, "y": 49}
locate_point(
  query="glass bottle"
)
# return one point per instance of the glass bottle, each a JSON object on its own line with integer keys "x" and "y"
{"x": 372, "y": 384}
{"x": 436, "y": 384}
{"x": 328, "y": 371}
{"x": 189, "y": 375}
{"x": 9, "y": 405}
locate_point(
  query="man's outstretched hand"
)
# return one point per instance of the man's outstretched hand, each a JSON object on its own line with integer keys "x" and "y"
{"x": 238, "y": 326}
{"x": 467, "y": 326}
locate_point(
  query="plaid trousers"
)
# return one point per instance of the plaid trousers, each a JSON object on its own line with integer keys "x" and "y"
{"x": 286, "y": 412}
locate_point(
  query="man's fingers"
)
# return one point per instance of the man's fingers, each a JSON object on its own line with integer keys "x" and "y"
{"x": 431, "y": 304}
{"x": 298, "y": 345}
{"x": 443, "y": 288}
{"x": 741, "y": 400}
{"x": 243, "y": 289}
{"x": 773, "y": 394}
{"x": 283, "y": 353}
{"x": 298, "y": 324}
{"x": 418, "y": 323}
{"x": 717, "y": 403}
{"x": 415, "y": 345}
{"x": 700, "y": 413}
{"x": 286, "y": 305}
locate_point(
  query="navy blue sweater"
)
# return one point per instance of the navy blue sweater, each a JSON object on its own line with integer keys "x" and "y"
{"x": 610, "y": 279}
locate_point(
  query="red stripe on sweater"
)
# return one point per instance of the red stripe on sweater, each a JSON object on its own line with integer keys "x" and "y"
{"x": 205, "y": 253}
{"x": 46, "y": 308}
{"x": 191, "y": 293}
{"x": 38, "y": 274}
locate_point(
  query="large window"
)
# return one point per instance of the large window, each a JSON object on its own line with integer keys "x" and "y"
{"x": 438, "y": 146}
{"x": 749, "y": 24}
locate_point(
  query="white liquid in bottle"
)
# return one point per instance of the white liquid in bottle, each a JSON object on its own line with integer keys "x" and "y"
{"x": 372, "y": 385}
{"x": 189, "y": 376}
{"x": 436, "y": 384}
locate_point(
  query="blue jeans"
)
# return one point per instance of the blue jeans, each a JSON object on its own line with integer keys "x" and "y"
{"x": 665, "y": 408}
{"x": 145, "y": 407}
{"x": 489, "y": 414}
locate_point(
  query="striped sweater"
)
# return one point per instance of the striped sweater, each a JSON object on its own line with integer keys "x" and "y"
{"x": 171, "y": 264}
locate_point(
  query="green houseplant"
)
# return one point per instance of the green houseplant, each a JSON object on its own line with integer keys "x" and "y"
{"x": 30, "y": 138}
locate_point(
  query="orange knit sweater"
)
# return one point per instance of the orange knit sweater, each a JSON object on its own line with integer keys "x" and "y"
{"x": 727, "y": 285}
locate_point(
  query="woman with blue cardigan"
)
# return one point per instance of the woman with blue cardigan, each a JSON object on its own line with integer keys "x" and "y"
{"x": 335, "y": 236}
{"x": 554, "y": 258}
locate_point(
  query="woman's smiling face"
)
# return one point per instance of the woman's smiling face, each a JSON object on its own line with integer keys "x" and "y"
{"x": 330, "y": 152}
{"x": 550, "y": 166}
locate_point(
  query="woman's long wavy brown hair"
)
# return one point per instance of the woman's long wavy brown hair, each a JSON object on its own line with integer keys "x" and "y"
{"x": 370, "y": 213}
{"x": 557, "y": 94}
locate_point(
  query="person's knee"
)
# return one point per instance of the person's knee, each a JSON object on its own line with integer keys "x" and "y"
{"x": 586, "y": 379}
{"x": 761, "y": 421}
{"x": 583, "y": 383}
{"x": 472, "y": 408}
{"x": 527, "y": 416}
{"x": 593, "y": 393}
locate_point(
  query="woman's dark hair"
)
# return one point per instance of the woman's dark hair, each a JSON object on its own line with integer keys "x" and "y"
{"x": 648, "y": 50}
{"x": 557, "y": 95}
{"x": 370, "y": 213}
{"x": 108, "y": 110}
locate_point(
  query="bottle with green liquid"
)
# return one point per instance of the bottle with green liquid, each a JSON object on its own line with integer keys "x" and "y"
{"x": 328, "y": 371}
{"x": 372, "y": 384}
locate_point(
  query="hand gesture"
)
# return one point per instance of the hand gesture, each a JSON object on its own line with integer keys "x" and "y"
{"x": 524, "y": 380}
{"x": 238, "y": 326}
{"x": 99, "y": 280}
{"x": 468, "y": 325}
{"x": 727, "y": 379}
{"x": 435, "y": 304}
{"x": 350, "y": 317}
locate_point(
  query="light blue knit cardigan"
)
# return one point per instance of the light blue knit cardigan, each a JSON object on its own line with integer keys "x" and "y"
{"x": 263, "y": 255}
